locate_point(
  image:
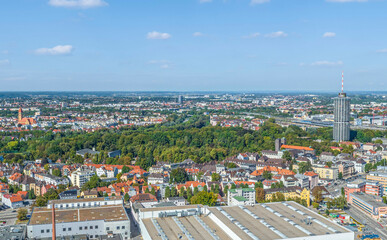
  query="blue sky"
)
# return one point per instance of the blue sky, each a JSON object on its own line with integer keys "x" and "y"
{"x": 191, "y": 45}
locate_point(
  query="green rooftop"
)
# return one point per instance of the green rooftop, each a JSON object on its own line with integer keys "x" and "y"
{"x": 243, "y": 190}
{"x": 240, "y": 198}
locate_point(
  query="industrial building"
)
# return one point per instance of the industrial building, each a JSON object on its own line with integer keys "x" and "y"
{"x": 370, "y": 204}
{"x": 93, "y": 217}
{"x": 258, "y": 222}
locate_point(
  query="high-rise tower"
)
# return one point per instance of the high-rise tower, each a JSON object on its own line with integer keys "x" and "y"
{"x": 341, "y": 128}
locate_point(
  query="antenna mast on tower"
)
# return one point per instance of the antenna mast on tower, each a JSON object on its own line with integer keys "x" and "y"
{"x": 342, "y": 81}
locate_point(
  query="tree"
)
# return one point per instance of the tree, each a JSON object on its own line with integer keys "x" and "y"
{"x": 215, "y": 177}
{"x": 181, "y": 191}
{"x": 205, "y": 188}
{"x": 329, "y": 164}
{"x": 258, "y": 185}
{"x": 31, "y": 194}
{"x": 46, "y": 167}
{"x": 147, "y": 190}
{"x": 153, "y": 192}
{"x": 178, "y": 175}
{"x": 41, "y": 201}
{"x": 287, "y": 156}
{"x": 22, "y": 214}
{"x": 317, "y": 195}
{"x": 225, "y": 189}
{"x": 266, "y": 175}
{"x": 195, "y": 191}
{"x": 173, "y": 192}
{"x": 280, "y": 196}
{"x": 126, "y": 197}
{"x": 259, "y": 195}
{"x": 56, "y": 172}
{"x": 304, "y": 166}
{"x": 189, "y": 194}
{"x": 315, "y": 205}
{"x": 340, "y": 175}
{"x": 167, "y": 192}
{"x": 231, "y": 165}
{"x": 204, "y": 198}
{"x": 125, "y": 169}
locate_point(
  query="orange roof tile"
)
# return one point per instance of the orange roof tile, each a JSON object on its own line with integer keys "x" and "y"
{"x": 297, "y": 147}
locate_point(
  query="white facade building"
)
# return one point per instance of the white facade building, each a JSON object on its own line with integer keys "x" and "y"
{"x": 92, "y": 217}
{"x": 81, "y": 176}
{"x": 241, "y": 196}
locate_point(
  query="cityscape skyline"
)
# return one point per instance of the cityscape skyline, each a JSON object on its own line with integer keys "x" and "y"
{"x": 173, "y": 46}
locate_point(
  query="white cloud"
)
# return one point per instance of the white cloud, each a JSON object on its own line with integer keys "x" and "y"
{"x": 77, "y": 3}
{"x": 205, "y": 1}
{"x": 382, "y": 50}
{"x": 276, "y": 34}
{"x": 197, "y": 34}
{"x": 4, "y": 62}
{"x": 345, "y": 1}
{"x": 255, "y": 2}
{"x": 57, "y": 50}
{"x": 164, "y": 64}
{"x": 158, "y": 35}
{"x": 253, "y": 35}
{"x": 327, "y": 63}
{"x": 329, "y": 34}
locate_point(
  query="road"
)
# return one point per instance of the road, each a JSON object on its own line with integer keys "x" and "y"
{"x": 371, "y": 226}
{"x": 8, "y": 216}
{"x": 134, "y": 230}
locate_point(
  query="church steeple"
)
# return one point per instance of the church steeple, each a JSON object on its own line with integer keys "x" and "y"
{"x": 20, "y": 115}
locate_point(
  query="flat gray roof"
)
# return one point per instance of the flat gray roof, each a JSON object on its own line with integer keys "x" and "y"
{"x": 265, "y": 221}
{"x": 375, "y": 201}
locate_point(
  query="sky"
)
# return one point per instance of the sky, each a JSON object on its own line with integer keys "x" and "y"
{"x": 193, "y": 45}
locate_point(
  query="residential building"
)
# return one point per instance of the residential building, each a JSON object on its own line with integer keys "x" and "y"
{"x": 289, "y": 180}
{"x": 360, "y": 165}
{"x": 289, "y": 193}
{"x": 378, "y": 176}
{"x": 346, "y": 168}
{"x": 51, "y": 179}
{"x": 374, "y": 188}
{"x": 313, "y": 179}
{"x": 303, "y": 181}
{"x": 326, "y": 172}
{"x": 12, "y": 200}
{"x": 156, "y": 178}
{"x": 68, "y": 194}
{"x": 81, "y": 176}
{"x": 241, "y": 196}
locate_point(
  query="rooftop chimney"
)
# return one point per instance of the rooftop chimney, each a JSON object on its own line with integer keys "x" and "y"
{"x": 53, "y": 222}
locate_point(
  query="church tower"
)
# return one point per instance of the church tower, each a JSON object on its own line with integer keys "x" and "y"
{"x": 20, "y": 116}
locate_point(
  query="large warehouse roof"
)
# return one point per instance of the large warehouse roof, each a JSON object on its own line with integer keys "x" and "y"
{"x": 259, "y": 222}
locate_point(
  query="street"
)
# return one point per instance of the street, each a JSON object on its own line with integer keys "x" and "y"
{"x": 371, "y": 226}
{"x": 8, "y": 216}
